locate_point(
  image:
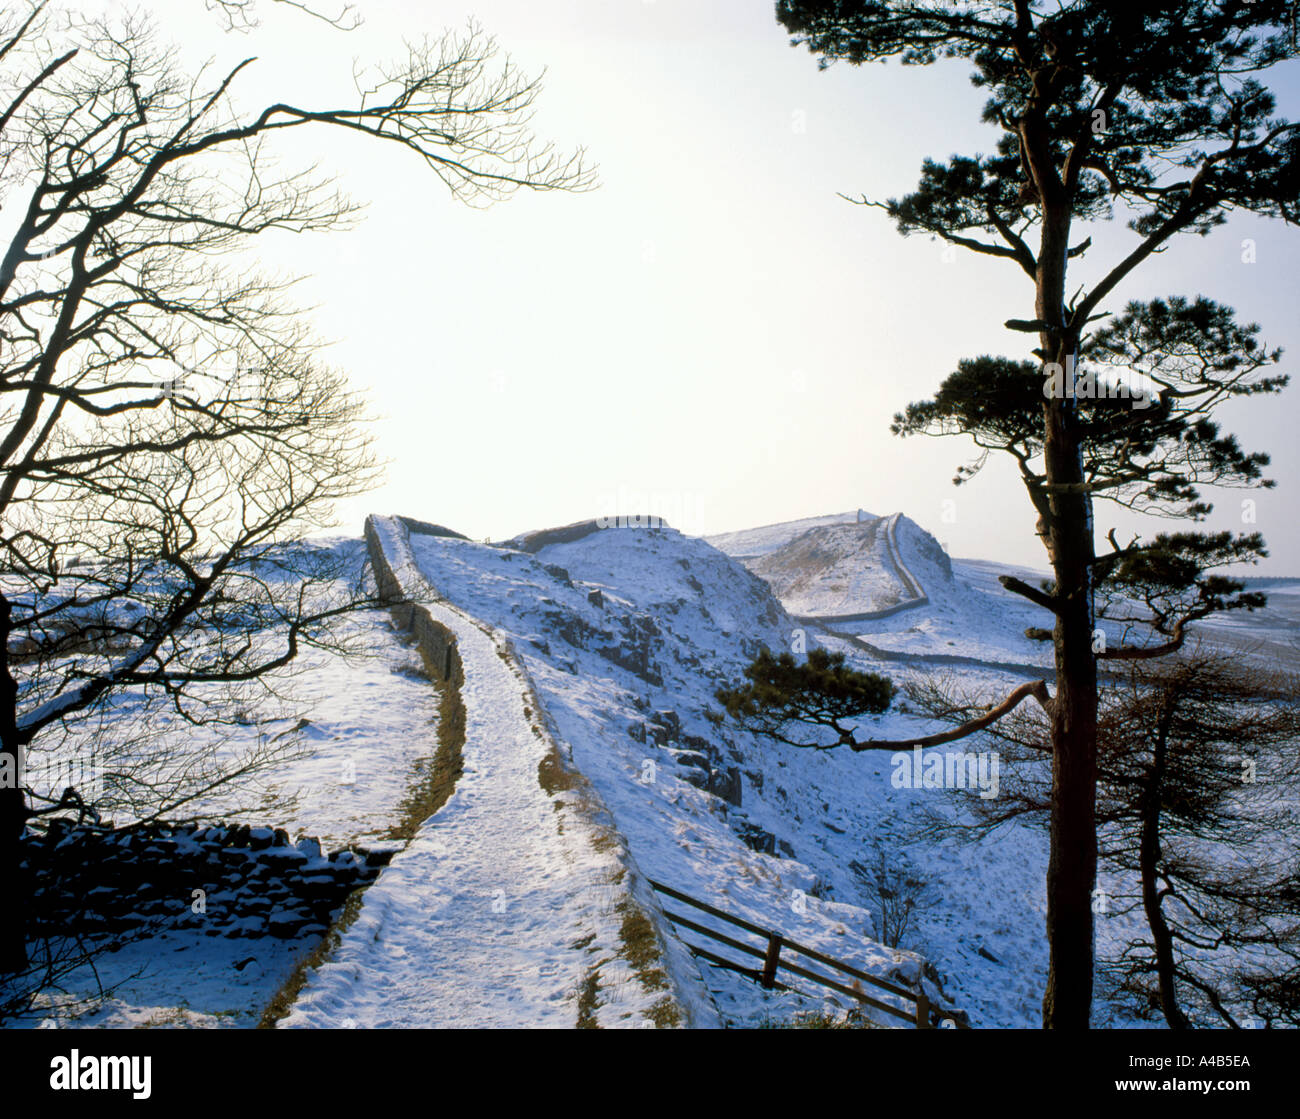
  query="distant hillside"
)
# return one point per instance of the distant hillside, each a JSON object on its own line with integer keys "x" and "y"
{"x": 750, "y": 543}
{"x": 840, "y": 566}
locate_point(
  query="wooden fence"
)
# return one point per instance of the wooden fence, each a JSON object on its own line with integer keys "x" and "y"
{"x": 924, "y": 1015}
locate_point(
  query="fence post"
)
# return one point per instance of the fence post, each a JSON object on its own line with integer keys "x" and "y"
{"x": 922, "y": 1011}
{"x": 770, "y": 961}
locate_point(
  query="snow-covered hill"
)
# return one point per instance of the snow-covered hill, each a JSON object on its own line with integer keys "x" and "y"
{"x": 622, "y": 635}
{"x": 627, "y": 633}
{"x": 887, "y": 581}
{"x": 851, "y": 570}
{"x": 750, "y": 543}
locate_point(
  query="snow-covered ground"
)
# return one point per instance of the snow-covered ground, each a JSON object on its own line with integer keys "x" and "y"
{"x": 506, "y": 909}
{"x": 628, "y": 632}
{"x": 1270, "y": 638}
{"x": 372, "y": 719}
{"x": 628, "y": 677}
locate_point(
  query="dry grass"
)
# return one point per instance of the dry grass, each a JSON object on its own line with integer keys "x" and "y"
{"x": 589, "y": 1000}
{"x": 282, "y": 1001}
{"x": 434, "y": 781}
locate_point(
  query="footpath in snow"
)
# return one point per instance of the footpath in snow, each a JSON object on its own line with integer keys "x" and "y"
{"x": 512, "y": 906}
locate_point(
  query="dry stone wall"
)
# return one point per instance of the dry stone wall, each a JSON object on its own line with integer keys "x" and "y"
{"x": 233, "y": 881}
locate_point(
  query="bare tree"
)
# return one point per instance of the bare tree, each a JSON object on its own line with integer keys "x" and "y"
{"x": 897, "y": 895}
{"x": 167, "y": 428}
{"x": 242, "y": 15}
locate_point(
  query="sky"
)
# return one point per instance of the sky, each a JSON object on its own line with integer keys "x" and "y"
{"x": 714, "y": 335}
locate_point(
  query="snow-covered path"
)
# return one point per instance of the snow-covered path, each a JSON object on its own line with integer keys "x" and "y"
{"x": 502, "y": 911}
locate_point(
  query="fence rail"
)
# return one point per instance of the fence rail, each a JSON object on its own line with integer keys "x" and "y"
{"x": 924, "y": 1015}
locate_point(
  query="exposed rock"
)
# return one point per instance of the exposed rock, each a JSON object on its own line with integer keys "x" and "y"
{"x": 692, "y": 758}
{"x": 726, "y": 784}
{"x": 557, "y": 572}
{"x": 756, "y": 838}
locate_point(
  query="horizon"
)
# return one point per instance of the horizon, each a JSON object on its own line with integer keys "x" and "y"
{"x": 713, "y": 323}
{"x": 1247, "y": 574}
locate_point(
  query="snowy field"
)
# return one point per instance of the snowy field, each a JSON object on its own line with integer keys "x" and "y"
{"x": 371, "y": 722}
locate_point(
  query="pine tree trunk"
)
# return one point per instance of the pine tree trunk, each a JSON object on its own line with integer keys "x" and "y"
{"x": 1072, "y": 864}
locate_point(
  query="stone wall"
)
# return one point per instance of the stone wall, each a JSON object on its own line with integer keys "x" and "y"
{"x": 437, "y": 644}
{"x": 234, "y": 881}
{"x": 567, "y": 534}
{"x": 425, "y": 528}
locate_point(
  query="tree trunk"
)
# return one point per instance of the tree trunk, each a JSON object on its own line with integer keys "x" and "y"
{"x": 1072, "y": 864}
{"x": 13, "y": 812}
{"x": 13, "y": 927}
{"x": 1148, "y": 866}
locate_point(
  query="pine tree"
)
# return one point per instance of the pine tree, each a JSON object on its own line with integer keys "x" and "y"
{"x": 1157, "y": 111}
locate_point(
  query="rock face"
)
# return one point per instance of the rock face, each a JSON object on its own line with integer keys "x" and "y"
{"x": 726, "y": 783}
{"x": 235, "y": 881}
{"x": 756, "y": 838}
{"x": 635, "y": 648}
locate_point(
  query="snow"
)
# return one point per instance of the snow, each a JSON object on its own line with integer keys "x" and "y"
{"x": 509, "y": 900}
{"x": 753, "y": 542}
{"x": 835, "y": 570}
{"x": 832, "y": 572}
{"x": 1268, "y": 638}
{"x": 373, "y": 719}
{"x": 710, "y": 615}
{"x": 503, "y": 907}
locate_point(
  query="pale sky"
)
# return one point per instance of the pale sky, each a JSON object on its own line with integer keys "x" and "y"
{"x": 713, "y": 334}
